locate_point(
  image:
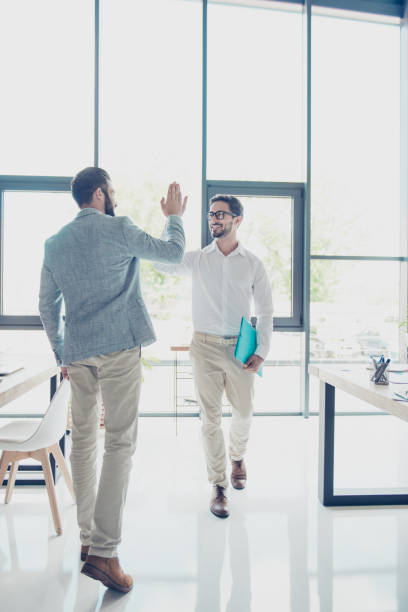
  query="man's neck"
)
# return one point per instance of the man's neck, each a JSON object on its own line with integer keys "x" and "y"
{"x": 227, "y": 245}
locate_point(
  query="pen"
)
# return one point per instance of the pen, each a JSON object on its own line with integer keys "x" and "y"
{"x": 403, "y": 399}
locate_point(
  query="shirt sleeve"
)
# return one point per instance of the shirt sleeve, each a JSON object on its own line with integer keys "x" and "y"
{"x": 50, "y": 306}
{"x": 263, "y": 310}
{"x": 144, "y": 246}
{"x": 184, "y": 268}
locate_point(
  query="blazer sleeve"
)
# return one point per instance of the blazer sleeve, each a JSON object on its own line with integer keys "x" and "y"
{"x": 50, "y": 306}
{"x": 144, "y": 246}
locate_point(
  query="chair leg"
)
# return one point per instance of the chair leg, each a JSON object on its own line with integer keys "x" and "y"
{"x": 4, "y": 462}
{"x": 42, "y": 455}
{"x": 60, "y": 461}
{"x": 11, "y": 481}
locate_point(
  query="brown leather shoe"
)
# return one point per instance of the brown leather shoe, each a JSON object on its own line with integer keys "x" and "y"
{"x": 219, "y": 502}
{"x": 238, "y": 474}
{"x": 108, "y": 571}
{"x": 84, "y": 552}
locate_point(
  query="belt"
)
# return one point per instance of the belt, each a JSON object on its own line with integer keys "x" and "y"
{"x": 216, "y": 339}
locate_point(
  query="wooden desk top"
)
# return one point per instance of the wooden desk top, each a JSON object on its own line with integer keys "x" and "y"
{"x": 36, "y": 370}
{"x": 355, "y": 379}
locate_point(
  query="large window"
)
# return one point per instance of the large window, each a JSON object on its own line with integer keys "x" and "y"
{"x": 46, "y": 75}
{"x": 150, "y": 134}
{"x": 31, "y": 210}
{"x": 355, "y": 188}
{"x": 150, "y": 121}
{"x": 23, "y": 249}
{"x": 355, "y": 137}
{"x": 215, "y": 95}
{"x": 254, "y": 93}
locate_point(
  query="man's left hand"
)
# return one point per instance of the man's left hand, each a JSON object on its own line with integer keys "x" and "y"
{"x": 253, "y": 363}
{"x": 64, "y": 372}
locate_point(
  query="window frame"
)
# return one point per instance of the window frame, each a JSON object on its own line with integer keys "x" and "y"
{"x": 257, "y": 189}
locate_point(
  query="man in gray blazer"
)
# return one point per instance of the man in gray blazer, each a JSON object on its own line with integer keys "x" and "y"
{"x": 92, "y": 265}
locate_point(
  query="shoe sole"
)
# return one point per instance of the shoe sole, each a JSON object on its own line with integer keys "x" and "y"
{"x": 240, "y": 487}
{"x": 219, "y": 515}
{"x": 97, "y": 574}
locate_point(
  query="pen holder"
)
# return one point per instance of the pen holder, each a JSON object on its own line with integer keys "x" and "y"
{"x": 383, "y": 379}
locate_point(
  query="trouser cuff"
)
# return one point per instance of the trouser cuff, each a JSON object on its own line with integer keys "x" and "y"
{"x": 222, "y": 483}
{"x": 102, "y": 552}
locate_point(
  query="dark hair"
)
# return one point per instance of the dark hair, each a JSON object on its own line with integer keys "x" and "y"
{"x": 86, "y": 181}
{"x": 235, "y": 205}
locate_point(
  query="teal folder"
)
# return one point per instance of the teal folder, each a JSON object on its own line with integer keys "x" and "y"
{"x": 246, "y": 343}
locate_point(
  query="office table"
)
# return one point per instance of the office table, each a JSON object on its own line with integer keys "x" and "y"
{"x": 35, "y": 371}
{"x": 355, "y": 380}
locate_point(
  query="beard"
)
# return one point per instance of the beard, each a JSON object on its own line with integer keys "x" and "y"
{"x": 218, "y": 231}
{"x": 109, "y": 205}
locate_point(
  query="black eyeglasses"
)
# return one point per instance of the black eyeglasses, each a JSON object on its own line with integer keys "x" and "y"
{"x": 220, "y": 214}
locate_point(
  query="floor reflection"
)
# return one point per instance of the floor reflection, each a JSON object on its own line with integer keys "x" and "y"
{"x": 358, "y": 565}
{"x": 33, "y": 562}
{"x": 279, "y": 549}
{"x": 214, "y": 536}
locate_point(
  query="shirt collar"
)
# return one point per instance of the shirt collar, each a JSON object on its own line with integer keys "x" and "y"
{"x": 213, "y": 246}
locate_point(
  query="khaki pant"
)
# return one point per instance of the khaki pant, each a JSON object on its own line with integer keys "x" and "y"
{"x": 100, "y": 508}
{"x": 215, "y": 370}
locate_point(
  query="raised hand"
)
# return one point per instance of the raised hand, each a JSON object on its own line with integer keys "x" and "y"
{"x": 174, "y": 204}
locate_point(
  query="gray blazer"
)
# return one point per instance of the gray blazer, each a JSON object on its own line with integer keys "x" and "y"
{"x": 92, "y": 265}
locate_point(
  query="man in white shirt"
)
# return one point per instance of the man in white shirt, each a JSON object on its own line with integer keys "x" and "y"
{"x": 226, "y": 280}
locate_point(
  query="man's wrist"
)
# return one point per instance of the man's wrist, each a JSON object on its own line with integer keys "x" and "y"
{"x": 261, "y": 351}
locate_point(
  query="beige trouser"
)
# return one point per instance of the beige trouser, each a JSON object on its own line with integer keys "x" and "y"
{"x": 100, "y": 508}
{"x": 215, "y": 369}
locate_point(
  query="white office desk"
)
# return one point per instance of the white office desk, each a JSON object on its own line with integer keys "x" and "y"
{"x": 35, "y": 371}
{"x": 355, "y": 380}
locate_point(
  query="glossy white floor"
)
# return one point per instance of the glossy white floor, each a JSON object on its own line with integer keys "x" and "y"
{"x": 280, "y": 549}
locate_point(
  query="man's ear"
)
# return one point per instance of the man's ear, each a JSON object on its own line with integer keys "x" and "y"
{"x": 99, "y": 193}
{"x": 238, "y": 221}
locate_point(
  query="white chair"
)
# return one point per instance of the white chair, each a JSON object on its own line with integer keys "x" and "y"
{"x": 27, "y": 438}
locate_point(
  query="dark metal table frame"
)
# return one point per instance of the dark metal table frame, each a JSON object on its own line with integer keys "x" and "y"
{"x": 327, "y": 495}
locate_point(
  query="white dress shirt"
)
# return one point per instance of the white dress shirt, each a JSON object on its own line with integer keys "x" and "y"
{"x": 224, "y": 289}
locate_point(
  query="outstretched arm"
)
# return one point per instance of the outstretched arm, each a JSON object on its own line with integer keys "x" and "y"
{"x": 143, "y": 245}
